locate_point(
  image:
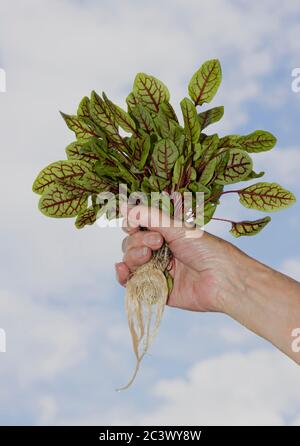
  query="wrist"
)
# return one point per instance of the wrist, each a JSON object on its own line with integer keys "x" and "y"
{"x": 263, "y": 300}
{"x": 259, "y": 300}
{"x": 244, "y": 277}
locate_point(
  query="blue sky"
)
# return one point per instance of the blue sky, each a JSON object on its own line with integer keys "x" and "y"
{"x": 68, "y": 346}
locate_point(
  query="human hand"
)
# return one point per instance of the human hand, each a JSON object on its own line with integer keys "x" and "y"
{"x": 205, "y": 269}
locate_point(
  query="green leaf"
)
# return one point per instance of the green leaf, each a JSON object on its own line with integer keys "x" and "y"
{"x": 143, "y": 118}
{"x": 105, "y": 170}
{"x": 121, "y": 117}
{"x": 74, "y": 152}
{"x": 209, "y": 210}
{"x": 258, "y": 141}
{"x": 210, "y": 116}
{"x": 208, "y": 172}
{"x": 167, "y": 108}
{"x": 191, "y": 122}
{"x": 144, "y": 147}
{"x": 132, "y": 101}
{"x": 192, "y": 174}
{"x": 237, "y": 168}
{"x": 158, "y": 184}
{"x": 98, "y": 147}
{"x": 150, "y": 91}
{"x": 91, "y": 182}
{"x": 198, "y": 151}
{"x": 81, "y": 129}
{"x": 146, "y": 186}
{"x": 210, "y": 147}
{"x": 229, "y": 142}
{"x": 178, "y": 170}
{"x": 198, "y": 187}
{"x": 164, "y": 156}
{"x": 83, "y": 110}
{"x": 59, "y": 171}
{"x": 103, "y": 117}
{"x": 165, "y": 126}
{"x": 57, "y": 202}
{"x": 249, "y": 227}
{"x": 205, "y": 82}
{"x": 179, "y": 139}
{"x": 269, "y": 197}
{"x": 86, "y": 217}
{"x": 252, "y": 175}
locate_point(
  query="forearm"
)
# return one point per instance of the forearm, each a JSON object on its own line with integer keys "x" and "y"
{"x": 267, "y": 302}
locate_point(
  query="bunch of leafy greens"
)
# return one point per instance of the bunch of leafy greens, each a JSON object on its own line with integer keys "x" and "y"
{"x": 158, "y": 154}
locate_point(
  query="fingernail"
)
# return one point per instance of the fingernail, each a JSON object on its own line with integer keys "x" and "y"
{"x": 153, "y": 239}
{"x": 142, "y": 252}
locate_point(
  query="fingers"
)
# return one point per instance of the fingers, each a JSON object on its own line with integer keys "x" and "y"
{"x": 137, "y": 250}
{"x": 138, "y": 239}
{"x": 122, "y": 273}
{"x": 154, "y": 219}
{"x": 136, "y": 257}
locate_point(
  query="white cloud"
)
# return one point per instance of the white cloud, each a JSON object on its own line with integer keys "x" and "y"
{"x": 281, "y": 165}
{"x": 41, "y": 341}
{"x": 256, "y": 388}
{"x": 260, "y": 387}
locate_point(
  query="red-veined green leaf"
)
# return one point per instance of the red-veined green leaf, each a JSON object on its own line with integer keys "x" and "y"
{"x": 81, "y": 129}
{"x": 209, "y": 147}
{"x": 229, "y": 142}
{"x": 121, "y": 117}
{"x": 252, "y": 175}
{"x": 144, "y": 146}
{"x": 83, "y": 110}
{"x": 86, "y": 217}
{"x": 179, "y": 139}
{"x": 103, "y": 117}
{"x": 158, "y": 183}
{"x": 167, "y": 108}
{"x": 205, "y": 82}
{"x": 178, "y": 170}
{"x": 191, "y": 122}
{"x": 208, "y": 171}
{"x": 73, "y": 152}
{"x": 165, "y": 126}
{"x": 66, "y": 170}
{"x": 56, "y": 202}
{"x": 92, "y": 182}
{"x": 210, "y": 116}
{"x": 269, "y": 197}
{"x": 247, "y": 227}
{"x": 132, "y": 101}
{"x": 143, "y": 118}
{"x": 150, "y": 91}
{"x": 238, "y": 167}
{"x": 165, "y": 154}
{"x": 258, "y": 141}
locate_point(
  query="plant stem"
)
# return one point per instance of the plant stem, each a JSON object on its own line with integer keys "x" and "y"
{"x": 218, "y": 195}
{"x": 223, "y": 219}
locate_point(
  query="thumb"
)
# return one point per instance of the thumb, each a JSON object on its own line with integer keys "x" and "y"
{"x": 156, "y": 220}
